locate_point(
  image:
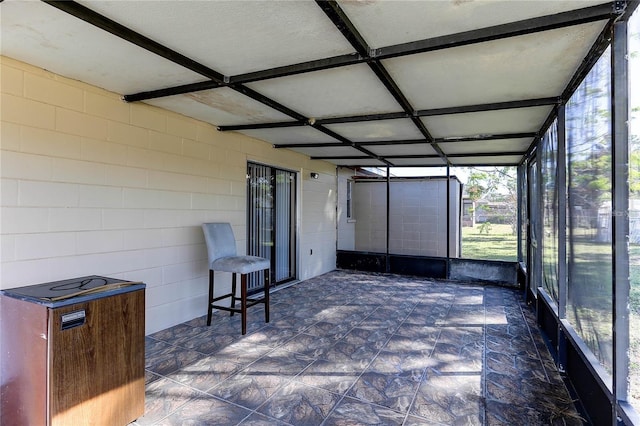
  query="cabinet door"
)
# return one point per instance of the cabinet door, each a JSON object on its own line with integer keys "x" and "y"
{"x": 97, "y": 361}
{"x": 23, "y": 363}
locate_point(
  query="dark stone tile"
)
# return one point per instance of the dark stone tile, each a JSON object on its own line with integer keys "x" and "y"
{"x": 389, "y": 390}
{"x": 152, "y": 346}
{"x": 257, "y": 419}
{"x": 299, "y": 404}
{"x": 249, "y": 389}
{"x": 450, "y": 399}
{"x": 355, "y": 354}
{"x": 242, "y": 352}
{"x": 170, "y": 334}
{"x": 371, "y": 337}
{"x": 170, "y": 359}
{"x": 150, "y": 377}
{"x": 289, "y": 322}
{"x": 162, "y": 397}
{"x": 335, "y": 377}
{"x": 410, "y": 364}
{"x": 270, "y": 336}
{"x": 351, "y": 411}
{"x": 210, "y": 341}
{"x": 207, "y": 411}
{"x": 419, "y": 332}
{"x": 282, "y": 362}
{"x": 312, "y": 346}
{"x": 328, "y": 329}
{"x": 205, "y": 373}
{"x": 417, "y": 421}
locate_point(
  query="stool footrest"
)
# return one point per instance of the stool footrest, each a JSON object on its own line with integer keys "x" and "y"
{"x": 250, "y": 302}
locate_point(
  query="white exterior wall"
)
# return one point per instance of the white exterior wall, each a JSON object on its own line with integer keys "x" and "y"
{"x": 346, "y": 228}
{"x": 93, "y": 185}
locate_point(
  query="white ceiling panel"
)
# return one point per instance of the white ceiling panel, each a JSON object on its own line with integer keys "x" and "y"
{"x": 302, "y": 134}
{"x": 418, "y": 162}
{"x": 518, "y": 120}
{"x": 38, "y": 34}
{"x": 426, "y": 19}
{"x": 233, "y": 37}
{"x": 402, "y": 149}
{"x": 377, "y": 130}
{"x": 507, "y": 160}
{"x": 526, "y": 67}
{"x": 220, "y": 107}
{"x": 339, "y": 151}
{"x": 351, "y": 90}
{"x": 368, "y": 162}
{"x": 489, "y": 146}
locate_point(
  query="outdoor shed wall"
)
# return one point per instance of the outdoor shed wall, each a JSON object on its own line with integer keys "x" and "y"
{"x": 417, "y": 216}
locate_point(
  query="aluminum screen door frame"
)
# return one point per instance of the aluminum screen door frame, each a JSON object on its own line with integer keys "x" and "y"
{"x": 271, "y": 220}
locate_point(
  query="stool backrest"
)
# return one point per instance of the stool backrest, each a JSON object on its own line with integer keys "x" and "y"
{"x": 220, "y": 240}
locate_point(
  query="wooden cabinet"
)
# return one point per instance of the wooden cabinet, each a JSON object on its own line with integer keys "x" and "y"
{"x": 79, "y": 362}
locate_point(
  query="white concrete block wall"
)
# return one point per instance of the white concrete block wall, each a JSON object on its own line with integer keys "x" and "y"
{"x": 318, "y": 222}
{"x": 93, "y": 185}
{"x": 417, "y": 217}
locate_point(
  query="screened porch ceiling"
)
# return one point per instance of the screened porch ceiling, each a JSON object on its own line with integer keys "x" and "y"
{"x": 352, "y": 82}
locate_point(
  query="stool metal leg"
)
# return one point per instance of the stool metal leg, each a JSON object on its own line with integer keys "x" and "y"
{"x": 243, "y": 302}
{"x": 210, "y": 309}
{"x": 267, "y": 279}
{"x": 233, "y": 291}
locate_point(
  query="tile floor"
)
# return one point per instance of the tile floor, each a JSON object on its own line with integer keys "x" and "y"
{"x": 350, "y": 348}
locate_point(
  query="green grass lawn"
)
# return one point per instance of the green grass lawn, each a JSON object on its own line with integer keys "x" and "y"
{"x": 498, "y": 244}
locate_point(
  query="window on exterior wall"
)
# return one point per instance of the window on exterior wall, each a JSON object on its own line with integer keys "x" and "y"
{"x": 549, "y": 176}
{"x": 589, "y": 212}
{"x": 350, "y": 215}
{"x": 634, "y": 208}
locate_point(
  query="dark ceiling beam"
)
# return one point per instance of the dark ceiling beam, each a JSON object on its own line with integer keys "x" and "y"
{"x": 394, "y": 142}
{"x": 512, "y": 29}
{"x": 491, "y": 137}
{"x": 119, "y": 30}
{"x": 345, "y": 26}
{"x": 483, "y": 154}
{"x": 351, "y": 33}
{"x": 494, "y": 106}
{"x": 525, "y": 103}
{"x": 300, "y": 68}
{"x": 364, "y": 117}
{"x": 309, "y": 145}
{"x": 271, "y": 125}
{"x": 341, "y": 157}
{"x": 268, "y": 102}
{"x": 489, "y": 154}
{"x": 418, "y": 156}
{"x": 172, "y": 91}
{"x": 455, "y": 139}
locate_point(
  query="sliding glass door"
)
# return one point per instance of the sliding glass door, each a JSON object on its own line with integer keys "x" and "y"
{"x": 271, "y": 219}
